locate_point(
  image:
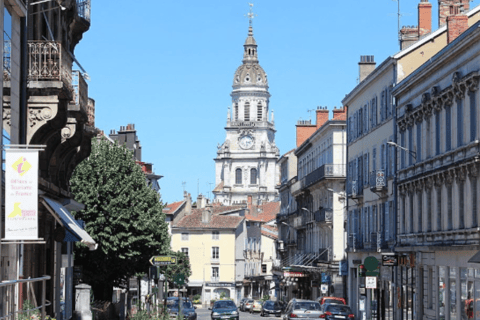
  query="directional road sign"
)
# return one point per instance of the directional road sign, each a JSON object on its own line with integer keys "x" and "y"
{"x": 163, "y": 260}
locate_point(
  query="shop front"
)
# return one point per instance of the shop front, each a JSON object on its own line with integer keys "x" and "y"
{"x": 216, "y": 290}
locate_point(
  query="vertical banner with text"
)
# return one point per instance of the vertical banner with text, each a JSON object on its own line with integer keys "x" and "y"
{"x": 21, "y": 194}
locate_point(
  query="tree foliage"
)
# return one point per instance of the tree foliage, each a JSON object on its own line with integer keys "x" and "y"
{"x": 182, "y": 266}
{"x": 122, "y": 214}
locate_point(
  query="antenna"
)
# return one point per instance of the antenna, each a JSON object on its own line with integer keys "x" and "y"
{"x": 198, "y": 186}
{"x": 210, "y": 188}
{"x": 183, "y": 186}
{"x": 310, "y": 111}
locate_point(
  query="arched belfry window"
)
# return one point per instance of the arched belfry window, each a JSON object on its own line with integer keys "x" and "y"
{"x": 236, "y": 111}
{"x": 238, "y": 176}
{"x": 247, "y": 111}
{"x": 259, "y": 111}
{"x": 253, "y": 176}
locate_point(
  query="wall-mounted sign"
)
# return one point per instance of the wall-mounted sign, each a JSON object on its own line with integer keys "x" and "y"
{"x": 324, "y": 288}
{"x": 163, "y": 260}
{"x": 389, "y": 260}
{"x": 219, "y": 284}
{"x": 21, "y": 194}
{"x": 293, "y": 274}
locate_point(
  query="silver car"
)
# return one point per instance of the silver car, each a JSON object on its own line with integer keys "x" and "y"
{"x": 304, "y": 309}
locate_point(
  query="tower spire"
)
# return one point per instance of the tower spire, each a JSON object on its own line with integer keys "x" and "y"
{"x": 250, "y": 16}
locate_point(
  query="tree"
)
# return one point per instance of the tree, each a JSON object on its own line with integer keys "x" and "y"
{"x": 122, "y": 214}
{"x": 181, "y": 267}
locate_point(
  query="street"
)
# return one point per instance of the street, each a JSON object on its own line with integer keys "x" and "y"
{"x": 204, "y": 314}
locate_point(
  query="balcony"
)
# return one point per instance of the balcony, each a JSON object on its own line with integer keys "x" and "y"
{"x": 378, "y": 181}
{"x": 297, "y": 187}
{"x": 324, "y": 215}
{"x": 47, "y": 61}
{"x": 83, "y": 8}
{"x": 355, "y": 189}
{"x": 324, "y": 254}
{"x": 214, "y": 260}
{"x": 325, "y": 171}
{"x": 80, "y": 90}
{"x": 215, "y": 279}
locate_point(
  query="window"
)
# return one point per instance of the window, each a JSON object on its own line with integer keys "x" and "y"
{"x": 185, "y": 250}
{"x": 215, "y": 252}
{"x": 437, "y": 133}
{"x": 215, "y": 273}
{"x": 420, "y": 212}
{"x": 439, "y": 209}
{"x": 246, "y": 115}
{"x": 185, "y": 236}
{"x": 453, "y": 291}
{"x": 402, "y": 153}
{"x": 215, "y": 235}
{"x": 264, "y": 268}
{"x": 236, "y": 111}
{"x": 461, "y": 220}
{"x": 238, "y": 176}
{"x": 419, "y": 142}
{"x": 259, "y": 112}
{"x": 459, "y": 123}
{"x": 449, "y": 207}
{"x": 448, "y": 128}
{"x": 442, "y": 292}
{"x": 410, "y": 217}
{"x": 473, "y": 117}
{"x": 410, "y": 145}
{"x": 429, "y": 210}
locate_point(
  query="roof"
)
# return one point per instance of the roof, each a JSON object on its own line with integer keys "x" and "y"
{"x": 172, "y": 207}
{"x": 270, "y": 232}
{"x": 265, "y": 212}
{"x": 194, "y": 221}
{"x": 219, "y": 187}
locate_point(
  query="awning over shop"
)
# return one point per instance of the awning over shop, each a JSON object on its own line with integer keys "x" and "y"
{"x": 475, "y": 258}
{"x": 73, "y": 230}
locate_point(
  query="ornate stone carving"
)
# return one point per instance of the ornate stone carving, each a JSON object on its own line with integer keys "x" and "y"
{"x": 461, "y": 173}
{"x": 38, "y": 115}
{"x": 427, "y": 109}
{"x": 419, "y": 185}
{"x": 425, "y": 97}
{"x": 447, "y": 97}
{"x": 418, "y": 116}
{"x": 449, "y": 176}
{"x": 458, "y": 86}
{"x": 472, "y": 169}
{"x": 435, "y": 91}
{"x": 439, "y": 179}
{"x": 410, "y": 121}
{"x": 437, "y": 104}
{"x": 410, "y": 187}
{"x": 429, "y": 182}
{"x": 402, "y": 125}
{"x": 471, "y": 81}
{"x": 402, "y": 190}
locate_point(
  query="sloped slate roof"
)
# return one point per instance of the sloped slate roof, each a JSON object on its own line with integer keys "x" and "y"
{"x": 194, "y": 221}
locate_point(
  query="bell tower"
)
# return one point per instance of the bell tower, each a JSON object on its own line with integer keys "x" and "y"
{"x": 246, "y": 163}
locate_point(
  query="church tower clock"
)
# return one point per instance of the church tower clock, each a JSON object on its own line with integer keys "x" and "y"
{"x": 246, "y": 163}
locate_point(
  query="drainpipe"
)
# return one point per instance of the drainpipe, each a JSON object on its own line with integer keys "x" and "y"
{"x": 395, "y": 208}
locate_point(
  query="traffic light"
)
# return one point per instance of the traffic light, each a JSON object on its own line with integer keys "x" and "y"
{"x": 361, "y": 270}
{"x": 154, "y": 272}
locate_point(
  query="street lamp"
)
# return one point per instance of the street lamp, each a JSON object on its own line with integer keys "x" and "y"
{"x": 412, "y": 153}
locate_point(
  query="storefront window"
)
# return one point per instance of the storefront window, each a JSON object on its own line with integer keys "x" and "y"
{"x": 464, "y": 293}
{"x": 453, "y": 294}
{"x": 441, "y": 292}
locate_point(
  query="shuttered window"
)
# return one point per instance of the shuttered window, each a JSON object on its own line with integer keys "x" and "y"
{"x": 449, "y": 208}
{"x": 461, "y": 204}
{"x": 448, "y": 128}
{"x": 473, "y": 116}
{"x": 420, "y": 212}
{"x": 437, "y": 133}
{"x": 459, "y": 123}
{"x": 411, "y": 213}
{"x": 419, "y": 142}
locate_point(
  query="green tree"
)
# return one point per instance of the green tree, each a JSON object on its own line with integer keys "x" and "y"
{"x": 182, "y": 266}
{"x": 122, "y": 214}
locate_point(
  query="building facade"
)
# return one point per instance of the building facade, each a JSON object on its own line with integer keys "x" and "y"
{"x": 246, "y": 163}
{"x": 437, "y": 125}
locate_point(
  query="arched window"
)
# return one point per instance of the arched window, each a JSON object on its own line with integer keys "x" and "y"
{"x": 247, "y": 112}
{"x": 259, "y": 112}
{"x": 238, "y": 176}
{"x": 253, "y": 176}
{"x": 236, "y": 111}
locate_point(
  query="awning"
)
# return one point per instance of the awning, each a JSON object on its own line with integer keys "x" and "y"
{"x": 475, "y": 258}
{"x": 65, "y": 218}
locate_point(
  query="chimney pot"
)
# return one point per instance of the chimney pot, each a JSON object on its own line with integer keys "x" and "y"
{"x": 366, "y": 66}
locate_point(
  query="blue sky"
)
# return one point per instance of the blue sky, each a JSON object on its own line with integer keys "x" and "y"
{"x": 168, "y": 66}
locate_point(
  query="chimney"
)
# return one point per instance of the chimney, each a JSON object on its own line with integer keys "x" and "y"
{"x": 366, "y": 66}
{"x": 448, "y": 8}
{"x": 424, "y": 17}
{"x": 340, "y": 113}
{"x": 249, "y": 200}
{"x": 305, "y": 129}
{"x": 207, "y": 214}
{"x": 188, "y": 203}
{"x": 322, "y": 116}
{"x": 456, "y": 25}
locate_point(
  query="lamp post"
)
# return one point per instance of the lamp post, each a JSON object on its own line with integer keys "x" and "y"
{"x": 412, "y": 153}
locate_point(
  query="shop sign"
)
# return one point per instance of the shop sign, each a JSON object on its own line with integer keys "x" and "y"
{"x": 293, "y": 274}
{"x": 21, "y": 194}
{"x": 371, "y": 282}
{"x": 219, "y": 284}
{"x": 389, "y": 260}
{"x": 324, "y": 288}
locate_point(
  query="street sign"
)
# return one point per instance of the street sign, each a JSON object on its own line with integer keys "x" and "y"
{"x": 163, "y": 260}
{"x": 371, "y": 282}
{"x": 179, "y": 279}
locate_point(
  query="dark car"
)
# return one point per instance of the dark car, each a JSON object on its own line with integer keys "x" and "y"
{"x": 271, "y": 307}
{"x": 337, "y": 311}
{"x": 188, "y": 310}
{"x": 224, "y": 309}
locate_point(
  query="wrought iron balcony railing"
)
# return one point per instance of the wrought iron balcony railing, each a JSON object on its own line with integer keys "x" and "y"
{"x": 47, "y": 61}
{"x": 324, "y": 215}
{"x": 355, "y": 189}
{"x": 325, "y": 171}
{"x": 80, "y": 89}
{"x": 84, "y": 8}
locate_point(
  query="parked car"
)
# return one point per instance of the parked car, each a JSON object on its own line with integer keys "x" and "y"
{"x": 337, "y": 311}
{"x": 299, "y": 308}
{"x": 188, "y": 309}
{"x": 242, "y": 303}
{"x": 247, "y": 305}
{"x": 224, "y": 309}
{"x": 256, "y": 306}
{"x": 271, "y": 307}
{"x": 331, "y": 300}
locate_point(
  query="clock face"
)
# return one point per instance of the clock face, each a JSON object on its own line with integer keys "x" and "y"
{"x": 246, "y": 142}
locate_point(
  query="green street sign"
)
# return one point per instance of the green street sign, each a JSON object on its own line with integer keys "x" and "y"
{"x": 371, "y": 264}
{"x": 179, "y": 279}
{"x": 163, "y": 260}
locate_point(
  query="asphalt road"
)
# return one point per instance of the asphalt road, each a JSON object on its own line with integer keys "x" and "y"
{"x": 204, "y": 314}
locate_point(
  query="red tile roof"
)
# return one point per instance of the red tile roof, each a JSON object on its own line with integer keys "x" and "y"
{"x": 194, "y": 220}
{"x": 172, "y": 207}
{"x": 265, "y": 212}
